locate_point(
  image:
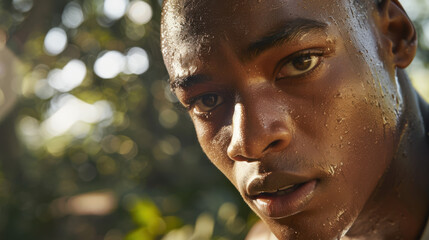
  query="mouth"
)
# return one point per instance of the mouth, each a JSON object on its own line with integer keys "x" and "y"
{"x": 281, "y": 191}
{"x": 285, "y": 201}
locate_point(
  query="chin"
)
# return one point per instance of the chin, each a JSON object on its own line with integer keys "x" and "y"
{"x": 309, "y": 226}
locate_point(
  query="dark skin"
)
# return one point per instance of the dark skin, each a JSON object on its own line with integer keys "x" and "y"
{"x": 310, "y": 116}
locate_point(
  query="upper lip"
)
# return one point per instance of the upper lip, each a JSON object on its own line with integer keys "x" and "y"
{"x": 273, "y": 182}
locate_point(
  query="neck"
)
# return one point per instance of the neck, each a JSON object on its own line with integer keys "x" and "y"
{"x": 398, "y": 208}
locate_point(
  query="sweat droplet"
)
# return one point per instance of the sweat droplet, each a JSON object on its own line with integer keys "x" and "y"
{"x": 332, "y": 169}
{"x": 385, "y": 121}
{"x": 193, "y": 69}
{"x": 340, "y": 120}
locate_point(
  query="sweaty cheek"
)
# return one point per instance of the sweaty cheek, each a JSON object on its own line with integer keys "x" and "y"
{"x": 378, "y": 70}
{"x": 214, "y": 143}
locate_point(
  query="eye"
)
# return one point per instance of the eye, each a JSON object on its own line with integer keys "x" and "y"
{"x": 299, "y": 64}
{"x": 206, "y": 103}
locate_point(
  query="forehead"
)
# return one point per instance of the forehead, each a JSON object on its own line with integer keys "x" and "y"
{"x": 193, "y": 28}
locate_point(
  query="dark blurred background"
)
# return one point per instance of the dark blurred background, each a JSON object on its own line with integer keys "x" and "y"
{"x": 93, "y": 144}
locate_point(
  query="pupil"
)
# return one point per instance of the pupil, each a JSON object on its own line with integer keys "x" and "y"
{"x": 210, "y": 100}
{"x": 302, "y": 63}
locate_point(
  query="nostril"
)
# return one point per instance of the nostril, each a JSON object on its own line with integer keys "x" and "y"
{"x": 273, "y": 144}
{"x": 242, "y": 158}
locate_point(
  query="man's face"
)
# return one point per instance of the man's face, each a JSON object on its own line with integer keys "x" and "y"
{"x": 294, "y": 101}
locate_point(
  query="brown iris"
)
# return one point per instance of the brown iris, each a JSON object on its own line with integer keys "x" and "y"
{"x": 209, "y": 100}
{"x": 302, "y": 63}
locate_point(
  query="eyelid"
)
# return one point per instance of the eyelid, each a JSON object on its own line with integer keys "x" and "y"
{"x": 189, "y": 104}
{"x": 320, "y": 52}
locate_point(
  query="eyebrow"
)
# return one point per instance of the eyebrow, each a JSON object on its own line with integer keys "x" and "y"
{"x": 186, "y": 82}
{"x": 287, "y": 32}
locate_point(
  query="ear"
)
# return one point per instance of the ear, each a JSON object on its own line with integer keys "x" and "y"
{"x": 399, "y": 30}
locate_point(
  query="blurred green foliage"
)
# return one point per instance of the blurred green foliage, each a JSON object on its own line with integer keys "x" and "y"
{"x": 131, "y": 171}
{"x": 112, "y": 156}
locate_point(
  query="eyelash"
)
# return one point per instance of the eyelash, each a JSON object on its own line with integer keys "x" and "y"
{"x": 197, "y": 109}
{"x": 321, "y": 53}
{"x": 190, "y": 104}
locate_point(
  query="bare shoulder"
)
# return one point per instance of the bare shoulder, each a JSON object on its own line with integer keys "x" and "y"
{"x": 260, "y": 231}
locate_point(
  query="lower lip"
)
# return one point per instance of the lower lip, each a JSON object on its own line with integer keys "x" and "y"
{"x": 286, "y": 205}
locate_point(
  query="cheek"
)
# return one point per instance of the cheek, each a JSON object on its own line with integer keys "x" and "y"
{"x": 353, "y": 129}
{"x": 356, "y": 114}
{"x": 360, "y": 127}
{"x": 214, "y": 142}
{"x": 362, "y": 141}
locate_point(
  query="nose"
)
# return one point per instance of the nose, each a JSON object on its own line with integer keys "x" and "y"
{"x": 257, "y": 131}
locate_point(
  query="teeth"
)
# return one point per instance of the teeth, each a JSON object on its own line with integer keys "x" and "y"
{"x": 287, "y": 187}
{"x": 279, "y": 190}
{"x": 271, "y": 191}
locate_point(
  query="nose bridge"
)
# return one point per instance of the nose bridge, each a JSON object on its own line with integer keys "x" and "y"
{"x": 259, "y": 126}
